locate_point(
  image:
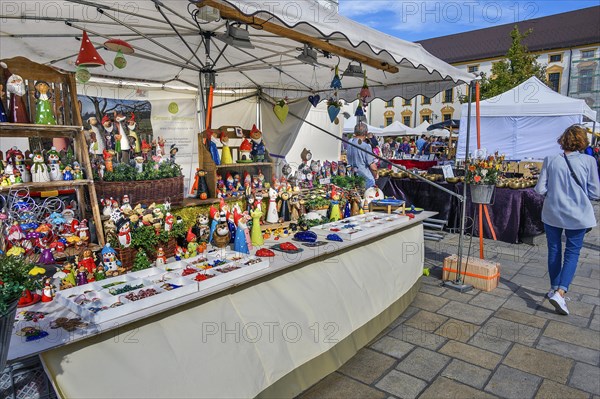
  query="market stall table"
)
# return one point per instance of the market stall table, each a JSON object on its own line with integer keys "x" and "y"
{"x": 414, "y": 163}
{"x": 274, "y": 332}
{"x": 515, "y": 214}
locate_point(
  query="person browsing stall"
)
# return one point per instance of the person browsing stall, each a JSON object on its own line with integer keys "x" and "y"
{"x": 420, "y": 144}
{"x": 363, "y": 161}
{"x": 569, "y": 181}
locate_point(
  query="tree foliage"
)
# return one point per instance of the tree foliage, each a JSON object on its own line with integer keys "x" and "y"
{"x": 518, "y": 66}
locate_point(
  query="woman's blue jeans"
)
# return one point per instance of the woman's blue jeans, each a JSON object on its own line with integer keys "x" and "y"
{"x": 562, "y": 268}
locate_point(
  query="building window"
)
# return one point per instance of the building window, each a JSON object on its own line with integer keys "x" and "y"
{"x": 447, "y": 117}
{"x": 389, "y": 120}
{"x": 473, "y": 68}
{"x": 426, "y": 100}
{"x": 406, "y": 102}
{"x": 389, "y": 104}
{"x": 585, "y": 81}
{"x": 555, "y": 58}
{"x": 425, "y": 118}
{"x": 449, "y": 96}
{"x": 587, "y": 53}
{"x": 406, "y": 120}
{"x": 554, "y": 81}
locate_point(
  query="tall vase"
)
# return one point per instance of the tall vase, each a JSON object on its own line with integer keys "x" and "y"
{"x": 482, "y": 193}
{"x": 6, "y": 326}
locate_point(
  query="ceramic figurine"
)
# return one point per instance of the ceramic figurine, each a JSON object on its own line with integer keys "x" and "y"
{"x": 108, "y": 133}
{"x": 283, "y": 207}
{"x": 200, "y": 187}
{"x": 335, "y": 215}
{"x": 82, "y": 276}
{"x": 294, "y": 208}
{"x": 243, "y": 242}
{"x": 169, "y": 221}
{"x": 272, "y": 215}
{"x": 341, "y": 169}
{"x": 212, "y": 147}
{"x": 123, "y": 226}
{"x": 249, "y": 200}
{"x": 258, "y": 147}
{"x": 245, "y": 151}
{"x": 48, "y": 290}
{"x": 124, "y": 145}
{"x": 226, "y": 157}
{"x": 97, "y": 140}
{"x": 161, "y": 259}
{"x": 179, "y": 253}
{"x": 261, "y": 179}
{"x": 67, "y": 173}
{"x": 347, "y": 210}
{"x": 17, "y": 113}
{"x": 214, "y": 217}
{"x": 17, "y": 160}
{"x": 146, "y": 148}
{"x": 100, "y": 273}
{"x": 83, "y": 231}
{"x": 54, "y": 164}
{"x": 371, "y": 194}
{"x": 39, "y": 170}
{"x": 173, "y": 153}
{"x": 108, "y": 160}
{"x": 77, "y": 172}
{"x": 355, "y": 202}
{"x": 256, "y": 233}
{"x": 126, "y": 205}
{"x": 201, "y": 229}
{"x": 258, "y": 199}
{"x": 3, "y": 114}
{"x": 46, "y": 257}
{"x": 134, "y": 141}
{"x": 106, "y": 207}
{"x": 87, "y": 261}
{"x": 110, "y": 262}
{"x": 232, "y": 226}
{"x": 67, "y": 278}
{"x": 222, "y": 234}
{"x": 44, "y": 114}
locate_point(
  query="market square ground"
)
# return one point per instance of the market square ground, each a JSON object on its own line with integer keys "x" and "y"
{"x": 507, "y": 343}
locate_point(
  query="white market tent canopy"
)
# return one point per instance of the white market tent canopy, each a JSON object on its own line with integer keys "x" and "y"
{"x": 396, "y": 128}
{"x": 523, "y": 122}
{"x": 350, "y": 123}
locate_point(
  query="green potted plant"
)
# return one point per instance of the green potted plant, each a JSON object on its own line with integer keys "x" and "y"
{"x": 14, "y": 279}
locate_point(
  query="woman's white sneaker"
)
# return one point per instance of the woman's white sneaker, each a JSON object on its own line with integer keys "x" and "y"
{"x": 559, "y": 304}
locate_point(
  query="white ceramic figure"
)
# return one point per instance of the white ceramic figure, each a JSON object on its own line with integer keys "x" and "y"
{"x": 39, "y": 169}
{"x": 272, "y": 216}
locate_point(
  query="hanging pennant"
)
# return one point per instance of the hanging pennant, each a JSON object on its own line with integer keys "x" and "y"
{"x": 336, "y": 82}
{"x": 281, "y": 110}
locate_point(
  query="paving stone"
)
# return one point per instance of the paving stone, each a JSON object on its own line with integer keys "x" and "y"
{"x": 429, "y": 302}
{"x": 554, "y": 390}
{"x": 426, "y": 321}
{"x": 584, "y": 290}
{"x": 471, "y": 354}
{"x": 569, "y": 350}
{"x": 540, "y": 363}
{"x": 465, "y": 312}
{"x": 458, "y": 296}
{"x": 392, "y": 346}
{"x": 586, "y": 282}
{"x": 487, "y": 301}
{"x": 500, "y": 292}
{"x": 572, "y": 334}
{"x": 534, "y": 271}
{"x": 547, "y": 311}
{"x": 490, "y": 343}
{"x": 444, "y": 388}
{"x": 432, "y": 289}
{"x": 510, "y": 331}
{"x": 595, "y": 323}
{"x": 417, "y": 337}
{"x": 512, "y": 383}
{"x": 401, "y": 385}
{"x": 523, "y": 280}
{"x": 367, "y": 366}
{"x": 423, "y": 363}
{"x": 586, "y": 378}
{"x": 517, "y": 303}
{"x": 466, "y": 373}
{"x": 336, "y": 386}
{"x": 410, "y": 311}
{"x": 457, "y": 329}
{"x": 521, "y": 318}
{"x": 592, "y": 300}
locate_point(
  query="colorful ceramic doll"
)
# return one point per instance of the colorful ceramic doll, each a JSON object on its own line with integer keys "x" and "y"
{"x": 124, "y": 231}
{"x": 334, "y": 214}
{"x": 169, "y": 221}
{"x": 258, "y": 147}
{"x": 179, "y": 253}
{"x": 108, "y": 133}
{"x": 212, "y": 147}
{"x": 272, "y": 215}
{"x": 81, "y": 278}
{"x": 77, "y": 172}
{"x": 54, "y": 164}
{"x": 67, "y": 173}
{"x": 226, "y": 158}
{"x": 222, "y": 235}
{"x": 139, "y": 164}
{"x": 256, "y": 234}
{"x": 232, "y": 226}
{"x": 243, "y": 242}
{"x": 200, "y": 185}
{"x": 294, "y": 208}
{"x": 100, "y": 273}
{"x": 17, "y": 113}
{"x": 161, "y": 259}
{"x": 214, "y": 217}
{"x": 83, "y": 231}
{"x": 46, "y": 257}
{"x": 283, "y": 207}
{"x": 44, "y": 114}
{"x": 126, "y": 205}
{"x": 133, "y": 136}
{"x": 108, "y": 160}
{"x": 87, "y": 261}
{"x": 39, "y": 169}
{"x": 48, "y": 290}
{"x": 110, "y": 262}
{"x": 17, "y": 159}
{"x": 97, "y": 142}
{"x": 124, "y": 145}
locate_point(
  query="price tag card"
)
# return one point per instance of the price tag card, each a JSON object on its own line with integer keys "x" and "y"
{"x": 324, "y": 181}
{"x": 447, "y": 171}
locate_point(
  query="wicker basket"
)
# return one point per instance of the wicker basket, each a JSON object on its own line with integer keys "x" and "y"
{"x": 127, "y": 255}
{"x": 143, "y": 192}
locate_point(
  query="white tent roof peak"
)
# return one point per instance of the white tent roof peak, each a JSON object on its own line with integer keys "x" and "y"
{"x": 533, "y": 98}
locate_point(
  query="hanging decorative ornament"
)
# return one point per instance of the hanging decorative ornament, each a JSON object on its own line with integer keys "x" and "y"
{"x": 281, "y": 110}
{"x": 88, "y": 56}
{"x": 365, "y": 92}
{"x": 121, "y": 47}
{"x": 314, "y": 100}
{"x": 333, "y": 108}
{"x": 82, "y": 74}
{"x": 336, "y": 82}
{"x": 359, "y": 109}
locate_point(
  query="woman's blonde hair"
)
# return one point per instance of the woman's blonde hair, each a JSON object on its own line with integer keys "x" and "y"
{"x": 574, "y": 138}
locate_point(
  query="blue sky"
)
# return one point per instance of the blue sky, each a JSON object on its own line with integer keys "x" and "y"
{"x": 417, "y": 20}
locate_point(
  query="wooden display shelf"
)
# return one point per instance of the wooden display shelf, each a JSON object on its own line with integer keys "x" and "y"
{"x": 43, "y": 131}
{"x": 74, "y": 251}
{"x": 243, "y": 164}
{"x": 48, "y": 186}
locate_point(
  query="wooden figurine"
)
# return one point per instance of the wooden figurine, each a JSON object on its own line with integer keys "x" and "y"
{"x": 124, "y": 145}
{"x": 134, "y": 141}
{"x": 97, "y": 141}
{"x": 108, "y": 133}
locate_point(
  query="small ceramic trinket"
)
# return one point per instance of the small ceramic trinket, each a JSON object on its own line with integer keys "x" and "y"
{"x": 48, "y": 290}
{"x": 305, "y": 236}
{"x": 334, "y": 237}
{"x": 265, "y": 253}
{"x": 272, "y": 214}
{"x": 161, "y": 259}
{"x": 39, "y": 170}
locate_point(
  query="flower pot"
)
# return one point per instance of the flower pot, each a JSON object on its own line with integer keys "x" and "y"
{"x": 482, "y": 193}
{"x": 6, "y": 326}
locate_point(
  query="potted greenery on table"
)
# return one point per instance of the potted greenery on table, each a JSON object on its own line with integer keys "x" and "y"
{"x": 14, "y": 279}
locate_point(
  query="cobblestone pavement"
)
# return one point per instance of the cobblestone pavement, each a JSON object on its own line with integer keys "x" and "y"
{"x": 506, "y": 343}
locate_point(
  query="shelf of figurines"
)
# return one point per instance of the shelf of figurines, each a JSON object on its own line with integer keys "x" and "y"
{"x": 45, "y": 131}
{"x": 45, "y": 186}
{"x": 110, "y": 298}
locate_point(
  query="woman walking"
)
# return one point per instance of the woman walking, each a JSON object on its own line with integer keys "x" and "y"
{"x": 569, "y": 181}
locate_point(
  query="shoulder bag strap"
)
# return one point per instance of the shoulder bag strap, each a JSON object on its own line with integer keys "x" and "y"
{"x": 573, "y": 175}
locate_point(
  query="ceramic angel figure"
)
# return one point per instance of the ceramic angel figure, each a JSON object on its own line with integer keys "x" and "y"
{"x": 272, "y": 216}
{"x": 39, "y": 170}
{"x": 44, "y": 114}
